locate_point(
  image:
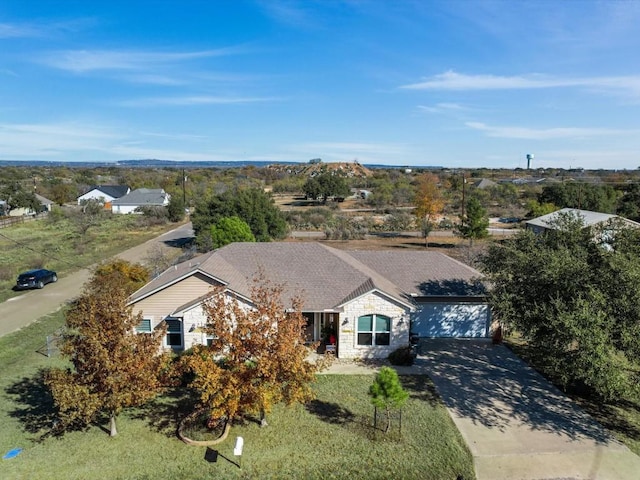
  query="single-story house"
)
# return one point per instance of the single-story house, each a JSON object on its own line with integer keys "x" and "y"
{"x": 45, "y": 203}
{"x": 549, "y": 221}
{"x": 104, "y": 194}
{"x": 45, "y": 206}
{"x": 369, "y": 301}
{"x": 141, "y": 197}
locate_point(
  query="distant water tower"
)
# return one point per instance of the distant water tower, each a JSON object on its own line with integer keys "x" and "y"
{"x": 529, "y": 158}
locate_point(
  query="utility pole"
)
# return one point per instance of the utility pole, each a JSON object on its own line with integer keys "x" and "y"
{"x": 184, "y": 191}
{"x": 464, "y": 181}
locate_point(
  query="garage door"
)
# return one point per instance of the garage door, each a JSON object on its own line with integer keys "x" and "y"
{"x": 460, "y": 320}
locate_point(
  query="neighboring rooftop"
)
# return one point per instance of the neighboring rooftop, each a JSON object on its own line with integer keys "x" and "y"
{"x": 143, "y": 196}
{"x": 589, "y": 218}
{"x": 114, "y": 191}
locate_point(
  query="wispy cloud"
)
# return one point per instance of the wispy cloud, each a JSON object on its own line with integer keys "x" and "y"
{"x": 193, "y": 100}
{"x": 346, "y": 151}
{"x": 42, "y": 29}
{"x": 288, "y": 12}
{"x": 31, "y": 140}
{"x": 451, "y": 80}
{"x": 81, "y": 61}
{"x": 442, "y": 108}
{"x": 546, "y": 133}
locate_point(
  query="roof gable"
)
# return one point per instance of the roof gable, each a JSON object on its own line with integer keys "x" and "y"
{"x": 325, "y": 277}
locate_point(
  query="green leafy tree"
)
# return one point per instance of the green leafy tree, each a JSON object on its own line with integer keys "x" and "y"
{"x": 258, "y": 358}
{"x": 575, "y": 300}
{"x": 230, "y": 229}
{"x": 175, "y": 209}
{"x": 326, "y": 185}
{"x": 252, "y": 205}
{"x": 537, "y": 209}
{"x": 112, "y": 367}
{"x": 629, "y": 203}
{"x": 585, "y": 196}
{"x": 17, "y": 197}
{"x": 387, "y": 393}
{"x": 474, "y": 224}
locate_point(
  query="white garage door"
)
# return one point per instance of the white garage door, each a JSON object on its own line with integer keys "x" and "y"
{"x": 460, "y": 320}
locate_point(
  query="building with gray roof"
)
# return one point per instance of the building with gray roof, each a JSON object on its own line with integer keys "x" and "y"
{"x": 370, "y": 300}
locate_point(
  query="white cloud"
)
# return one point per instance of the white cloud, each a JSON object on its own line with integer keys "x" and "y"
{"x": 442, "y": 108}
{"x": 81, "y": 61}
{"x": 53, "y": 140}
{"x": 455, "y": 81}
{"x": 193, "y": 100}
{"x": 546, "y": 133}
{"x": 42, "y": 29}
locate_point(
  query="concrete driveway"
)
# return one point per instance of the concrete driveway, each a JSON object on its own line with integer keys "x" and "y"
{"x": 516, "y": 424}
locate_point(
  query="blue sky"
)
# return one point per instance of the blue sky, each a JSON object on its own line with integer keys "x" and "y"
{"x": 456, "y": 83}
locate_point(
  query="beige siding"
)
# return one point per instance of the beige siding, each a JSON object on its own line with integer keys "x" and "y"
{"x": 162, "y": 303}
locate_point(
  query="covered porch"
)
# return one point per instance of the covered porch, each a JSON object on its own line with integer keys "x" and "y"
{"x": 322, "y": 327}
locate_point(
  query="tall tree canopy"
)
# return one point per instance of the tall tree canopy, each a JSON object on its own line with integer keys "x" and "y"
{"x": 325, "y": 185}
{"x": 585, "y": 196}
{"x": 429, "y": 203}
{"x": 230, "y": 229}
{"x": 258, "y": 357}
{"x": 252, "y": 205}
{"x": 576, "y": 301}
{"x": 112, "y": 366}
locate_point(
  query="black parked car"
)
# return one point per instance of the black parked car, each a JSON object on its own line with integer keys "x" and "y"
{"x": 35, "y": 279}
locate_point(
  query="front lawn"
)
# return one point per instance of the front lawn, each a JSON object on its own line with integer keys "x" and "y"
{"x": 331, "y": 437}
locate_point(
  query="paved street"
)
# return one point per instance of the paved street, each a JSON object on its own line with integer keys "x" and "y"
{"x": 20, "y": 311}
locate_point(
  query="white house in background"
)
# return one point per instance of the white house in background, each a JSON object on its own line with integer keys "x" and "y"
{"x": 141, "y": 197}
{"x": 369, "y": 300}
{"x": 104, "y": 194}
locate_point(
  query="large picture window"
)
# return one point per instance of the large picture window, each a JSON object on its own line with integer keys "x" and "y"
{"x": 374, "y": 330}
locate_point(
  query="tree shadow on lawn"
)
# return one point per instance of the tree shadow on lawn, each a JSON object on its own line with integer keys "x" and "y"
{"x": 420, "y": 388}
{"x": 164, "y": 413}
{"x": 34, "y": 406}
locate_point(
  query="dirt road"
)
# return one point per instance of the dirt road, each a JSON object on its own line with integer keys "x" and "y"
{"x": 20, "y": 311}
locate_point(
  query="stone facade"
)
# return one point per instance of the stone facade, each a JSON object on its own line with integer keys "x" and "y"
{"x": 368, "y": 304}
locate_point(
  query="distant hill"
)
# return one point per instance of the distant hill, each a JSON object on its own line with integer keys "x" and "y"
{"x": 347, "y": 168}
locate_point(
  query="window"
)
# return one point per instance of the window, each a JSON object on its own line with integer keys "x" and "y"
{"x": 174, "y": 333}
{"x": 144, "y": 326}
{"x": 374, "y": 330}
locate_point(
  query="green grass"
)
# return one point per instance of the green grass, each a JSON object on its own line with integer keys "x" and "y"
{"x": 332, "y": 437}
{"x": 620, "y": 417}
{"x": 56, "y": 244}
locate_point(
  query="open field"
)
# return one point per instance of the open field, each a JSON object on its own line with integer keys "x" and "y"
{"x": 55, "y": 243}
{"x": 332, "y": 437}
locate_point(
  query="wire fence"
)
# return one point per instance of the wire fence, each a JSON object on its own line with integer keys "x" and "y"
{"x": 52, "y": 343}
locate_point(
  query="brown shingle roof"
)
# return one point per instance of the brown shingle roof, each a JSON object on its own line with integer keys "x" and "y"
{"x": 324, "y": 276}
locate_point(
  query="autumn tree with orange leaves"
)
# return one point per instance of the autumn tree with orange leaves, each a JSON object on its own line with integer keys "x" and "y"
{"x": 112, "y": 367}
{"x": 429, "y": 203}
{"x": 258, "y": 357}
